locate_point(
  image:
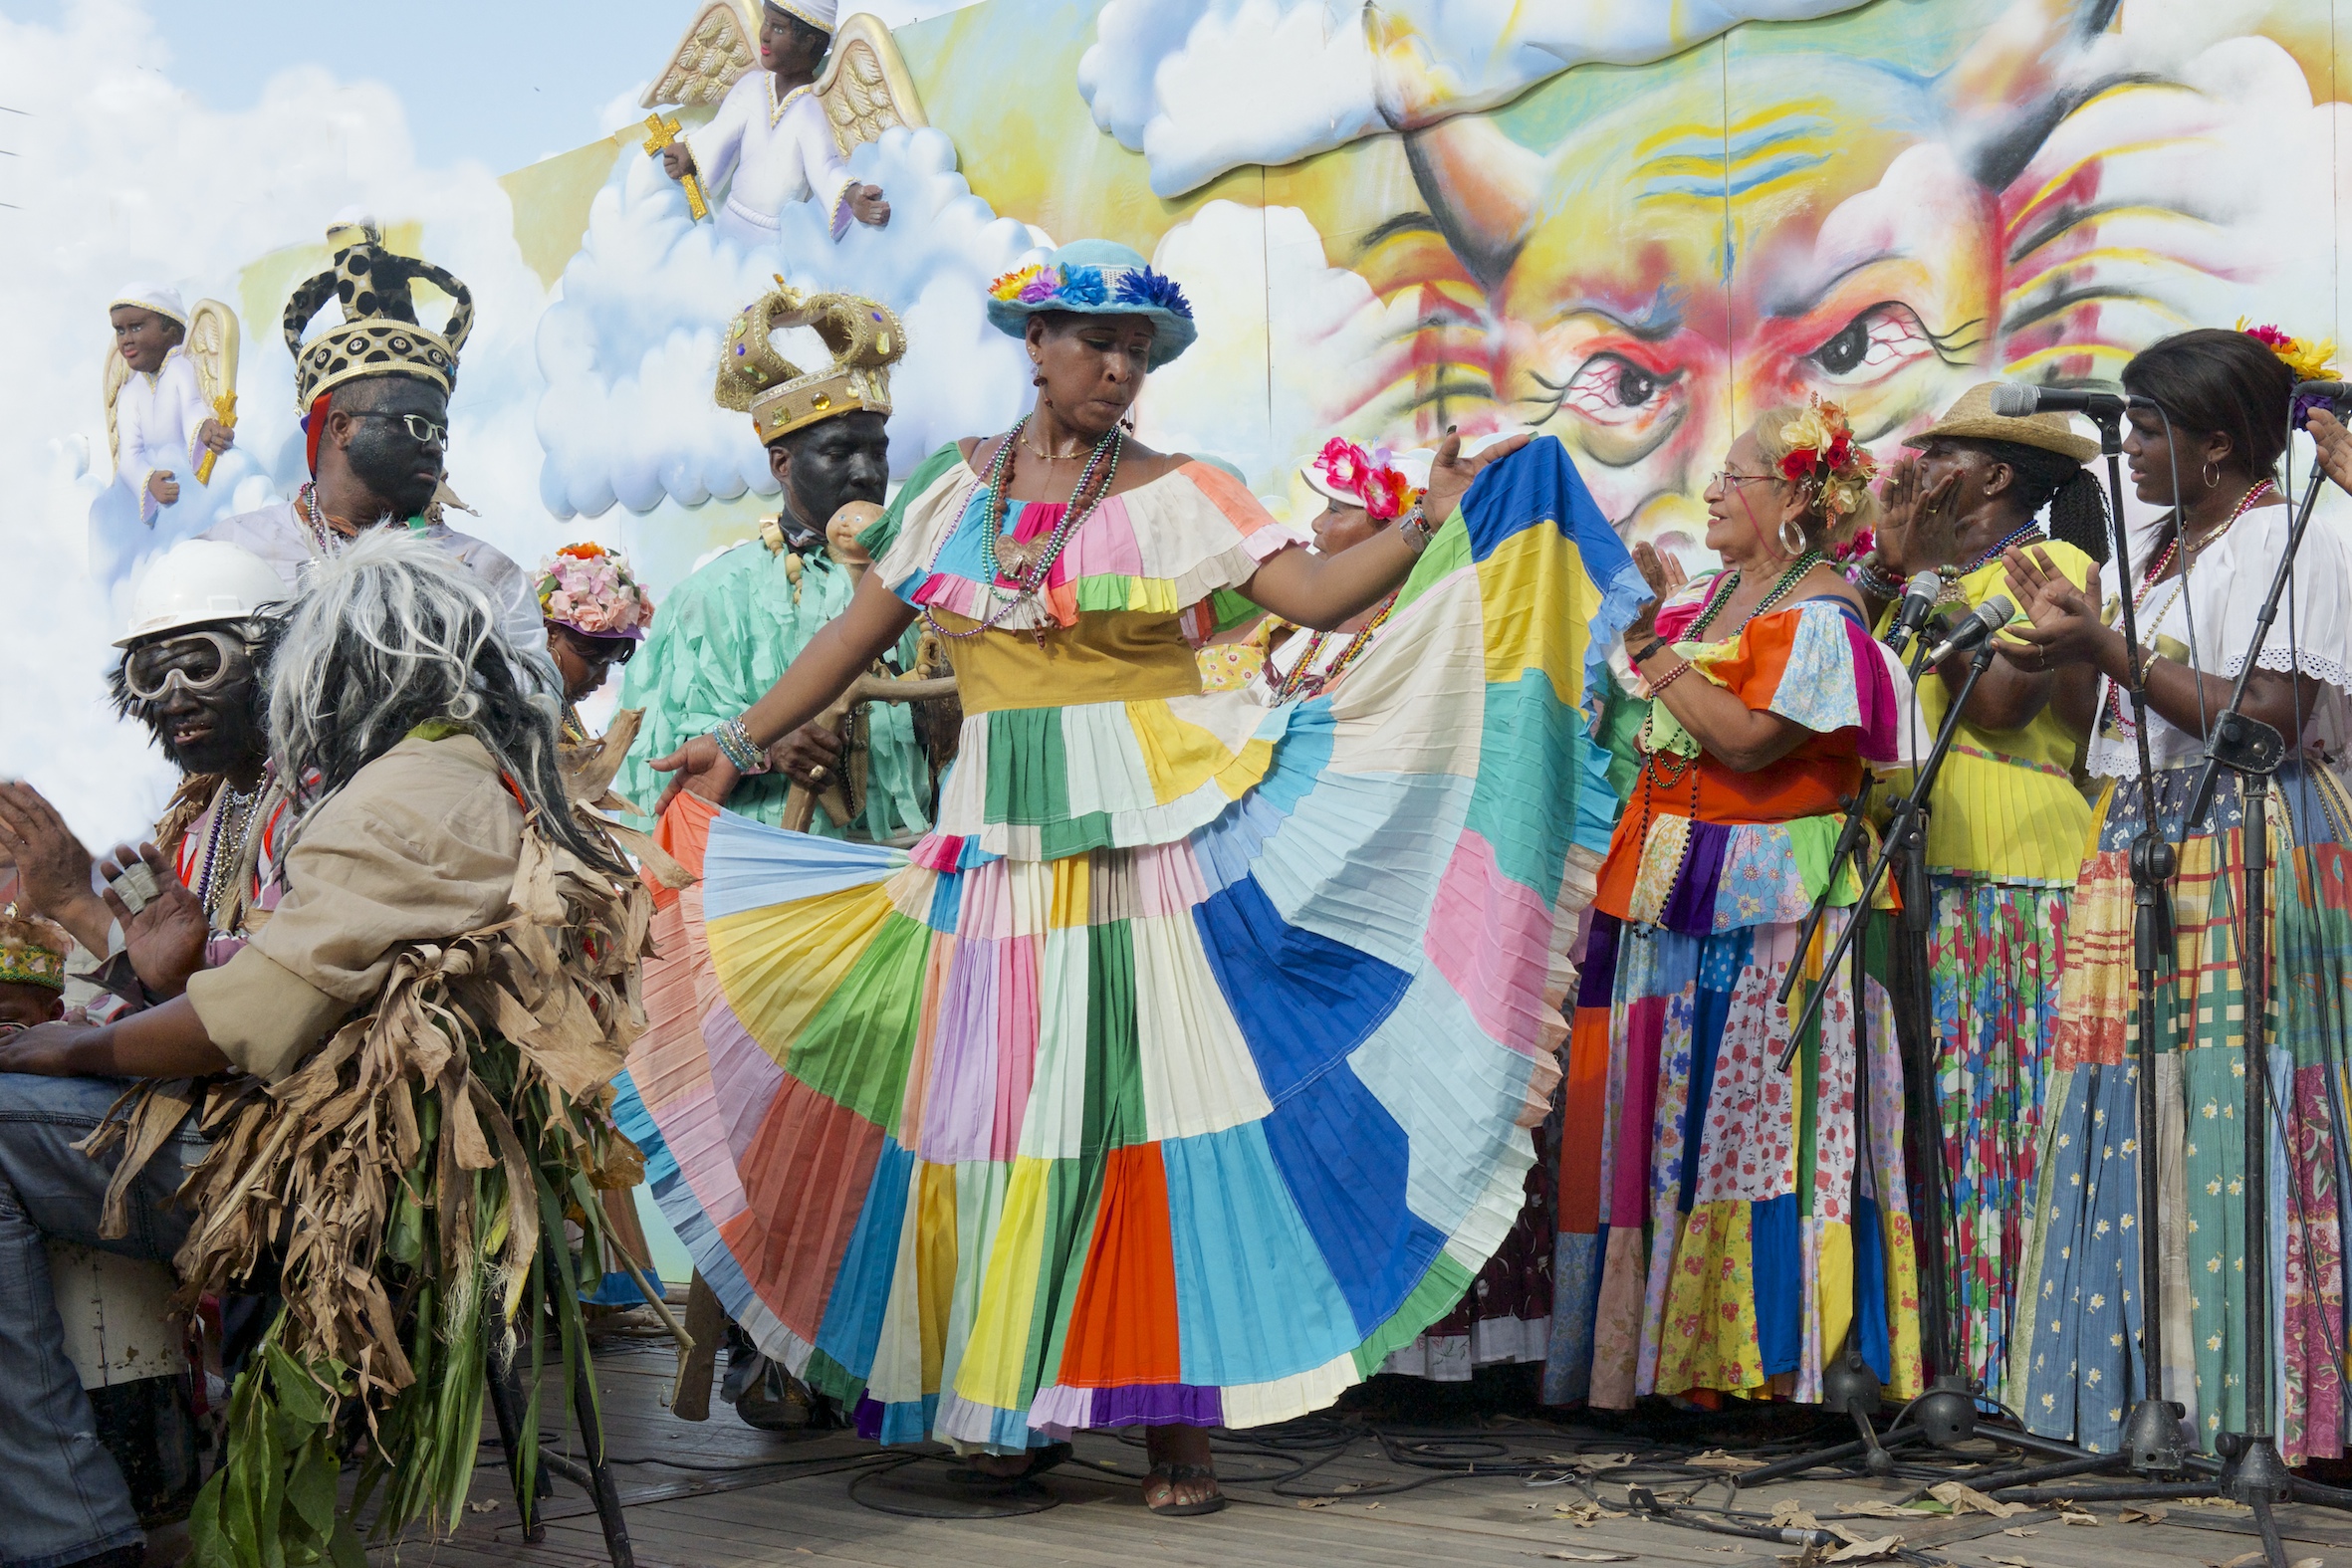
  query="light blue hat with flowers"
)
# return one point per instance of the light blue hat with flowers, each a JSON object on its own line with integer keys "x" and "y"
{"x": 1095, "y": 277}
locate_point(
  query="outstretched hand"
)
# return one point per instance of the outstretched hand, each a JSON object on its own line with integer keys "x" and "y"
{"x": 2065, "y": 628}
{"x": 701, "y": 768}
{"x": 166, "y": 937}
{"x": 1450, "y": 474}
{"x": 1917, "y": 524}
{"x": 2334, "y": 443}
{"x": 1665, "y": 576}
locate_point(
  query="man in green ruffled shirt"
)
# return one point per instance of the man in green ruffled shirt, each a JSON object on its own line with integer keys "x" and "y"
{"x": 728, "y": 631}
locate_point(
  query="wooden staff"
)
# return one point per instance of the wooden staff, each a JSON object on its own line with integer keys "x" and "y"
{"x": 841, "y": 543}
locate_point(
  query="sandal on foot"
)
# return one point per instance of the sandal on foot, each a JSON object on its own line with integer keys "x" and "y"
{"x": 1040, "y": 1461}
{"x": 1174, "y": 1475}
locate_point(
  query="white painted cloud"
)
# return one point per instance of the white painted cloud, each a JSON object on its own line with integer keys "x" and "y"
{"x": 121, "y": 175}
{"x": 1200, "y": 87}
{"x": 628, "y": 351}
{"x": 1292, "y": 351}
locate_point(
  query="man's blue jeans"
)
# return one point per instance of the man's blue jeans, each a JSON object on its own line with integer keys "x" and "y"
{"x": 62, "y": 1498}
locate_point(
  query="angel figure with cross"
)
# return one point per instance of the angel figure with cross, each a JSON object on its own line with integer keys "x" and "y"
{"x": 783, "y": 133}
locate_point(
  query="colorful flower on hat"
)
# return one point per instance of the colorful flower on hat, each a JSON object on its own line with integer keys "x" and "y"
{"x": 1015, "y": 284}
{"x": 591, "y": 590}
{"x": 2310, "y": 362}
{"x": 1824, "y": 461}
{"x": 1082, "y": 285}
{"x": 1151, "y": 289}
{"x": 1382, "y": 488}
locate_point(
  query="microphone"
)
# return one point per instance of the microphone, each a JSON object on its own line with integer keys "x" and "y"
{"x": 2013, "y": 401}
{"x": 1918, "y": 597}
{"x": 1989, "y": 618}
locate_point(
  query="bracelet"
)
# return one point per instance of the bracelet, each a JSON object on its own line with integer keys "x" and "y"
{"x": 1872, "y": 578}
{"x": 1668, "y": 679}
{"x": 1650, "y": 650}
{"x": 735, "y": 743}
{"x": 1414, "y": 529}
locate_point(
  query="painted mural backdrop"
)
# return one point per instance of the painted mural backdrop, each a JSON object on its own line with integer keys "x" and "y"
{"x": 1631, "y": 224}
{"x": 1626, "y": 222}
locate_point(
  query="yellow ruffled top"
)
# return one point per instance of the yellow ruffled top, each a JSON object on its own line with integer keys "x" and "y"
{"x": 2005, "y": 807}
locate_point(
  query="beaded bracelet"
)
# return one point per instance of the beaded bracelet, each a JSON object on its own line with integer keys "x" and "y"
{"x": 1866, "y": 573}
{"x": 735, "y": 743}
{"x": 1669, "y": 678}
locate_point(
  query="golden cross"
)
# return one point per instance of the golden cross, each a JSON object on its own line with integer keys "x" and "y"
{"x": 660, "y": 134}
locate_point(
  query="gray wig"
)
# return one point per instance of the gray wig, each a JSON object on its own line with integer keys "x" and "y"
{"x": 392, "y": 632}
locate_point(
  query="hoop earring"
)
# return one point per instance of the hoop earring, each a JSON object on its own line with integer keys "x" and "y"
{"x": 1037, "y": 380}
{"x": 1788, "y": 547}
{"x": 2211, "y": 474}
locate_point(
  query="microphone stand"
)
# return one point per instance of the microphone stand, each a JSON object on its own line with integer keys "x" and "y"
{"x": 2255, "y": 1474}
{"x": 1944, "y": 1415}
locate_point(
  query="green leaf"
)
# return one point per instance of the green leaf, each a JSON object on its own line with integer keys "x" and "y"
{"x": 310, "y": 1489}
{"x": 299, "y": 1395}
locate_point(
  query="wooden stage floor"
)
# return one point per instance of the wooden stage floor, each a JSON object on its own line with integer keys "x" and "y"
{"x": 708, "y": 1506}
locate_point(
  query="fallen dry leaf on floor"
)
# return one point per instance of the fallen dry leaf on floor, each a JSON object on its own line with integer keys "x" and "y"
{"x": 1860, "y": 1550}
{"x": 2241, "y": 1560}
{"x": 1585, "y": 1515}
{"x": 1873, "y": 1510}
{"x": 2020, "y": 1534}
{"x": 2306, "y": 1562}
{"x": 1717, "y": 1460}
{"x": 1314, "y": 1502}
{"x": 1371, "y": 1506}
{"x": 2229, "y": 1504}
{"x": 1345, "y": 1487}
{"x": 2076, "y": 1516}
{"x": 484, "y": 1506}
{"x": 2008, "y": 1562}
{"x": 2148, "y": 1515}
{"x": 1964, "y": 1498}
{"x": 1790, "y": 1514}
{"x": 1590, "y": 1557}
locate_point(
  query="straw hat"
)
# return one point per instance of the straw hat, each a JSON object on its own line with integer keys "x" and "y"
{"x": 1973, "y": 419}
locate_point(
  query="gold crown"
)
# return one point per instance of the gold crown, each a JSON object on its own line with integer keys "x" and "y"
{"x": 865, "y": 338}
{"x": 379, "y": 335}
{"x": 33, "y": 952}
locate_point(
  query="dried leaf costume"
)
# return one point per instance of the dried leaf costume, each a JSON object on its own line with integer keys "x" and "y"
{"x": 427, "y": 1024}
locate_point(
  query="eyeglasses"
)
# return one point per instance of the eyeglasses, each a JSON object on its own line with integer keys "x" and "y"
{"x": 597, "y": 651}
{"x": 421, "y": 429}
{"x": 1725, "y": 479}
{"x": 199, "y": 661}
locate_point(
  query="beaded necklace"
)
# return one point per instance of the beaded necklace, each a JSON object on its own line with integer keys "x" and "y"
{"x": 2155, "y": 570}
{"x": 224, "y": 847}
{"x": 1302, "y": 681}
{"x": 1028, "y": 564}
{"x": 2029, "y": 532}
{"x": 1656, "y": 772}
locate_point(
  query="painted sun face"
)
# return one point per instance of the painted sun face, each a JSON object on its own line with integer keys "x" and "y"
{"x": 1685, "y": 273}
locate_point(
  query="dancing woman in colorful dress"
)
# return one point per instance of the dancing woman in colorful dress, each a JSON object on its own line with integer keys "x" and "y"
{"x": 2005, "y": 830}
{"x": 1708, "y": 1241}
{"x": 2210, "y": 454}
{"x": 1182, "y": 1072}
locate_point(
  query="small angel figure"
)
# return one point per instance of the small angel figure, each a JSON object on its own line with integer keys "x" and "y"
{"x": 170, "y": 379}
{"x": 783, "y": 133}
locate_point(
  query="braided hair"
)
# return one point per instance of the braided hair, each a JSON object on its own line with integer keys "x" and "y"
{"x": 2077, "y": 504}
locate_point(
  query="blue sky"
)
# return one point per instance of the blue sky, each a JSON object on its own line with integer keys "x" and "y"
{"x": 531, "y": 78}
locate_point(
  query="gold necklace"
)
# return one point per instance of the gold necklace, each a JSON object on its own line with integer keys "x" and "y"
{"x": 1051, "y": 457}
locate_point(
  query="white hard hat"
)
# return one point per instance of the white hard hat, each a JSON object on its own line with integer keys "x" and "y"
{"x": 198, "y": 581}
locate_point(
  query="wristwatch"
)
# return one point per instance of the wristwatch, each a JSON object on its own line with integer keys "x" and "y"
{"x": 1415, "y": 528}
